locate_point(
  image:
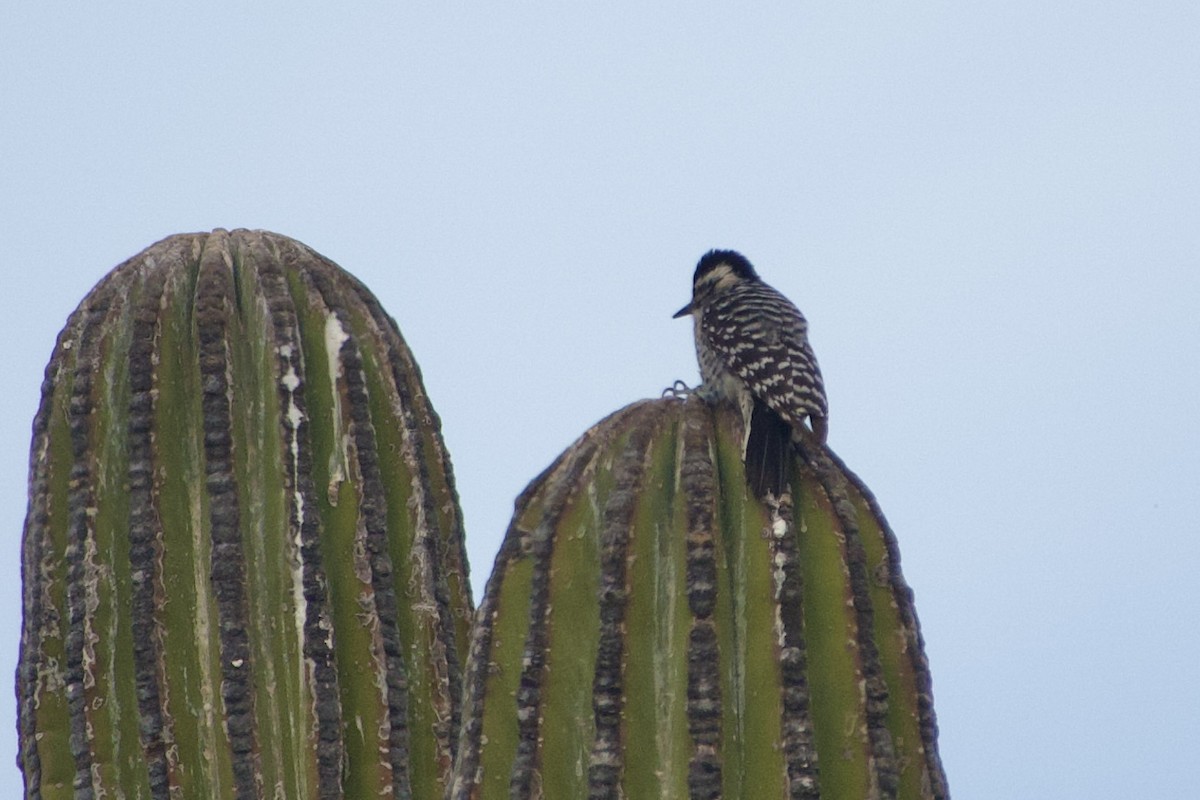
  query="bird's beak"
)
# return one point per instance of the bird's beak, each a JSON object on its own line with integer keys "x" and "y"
{"x": 683, "y": 312}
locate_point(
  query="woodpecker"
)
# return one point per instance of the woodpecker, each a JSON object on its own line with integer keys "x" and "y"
{"x": 752, "y": 345}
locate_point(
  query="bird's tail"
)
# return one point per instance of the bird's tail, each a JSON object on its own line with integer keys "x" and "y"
{"x": 768, "y": 452}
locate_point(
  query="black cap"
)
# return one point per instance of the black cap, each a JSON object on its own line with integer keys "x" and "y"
{"x": 735, "y": 260}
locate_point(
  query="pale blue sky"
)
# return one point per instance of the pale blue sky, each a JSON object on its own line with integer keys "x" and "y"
{"x": 989, "y": 212}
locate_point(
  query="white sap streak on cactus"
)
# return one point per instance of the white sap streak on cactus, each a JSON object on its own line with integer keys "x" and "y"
{"x": 91, "y": 572}
{"x": 779, "y": 526}
{"x": 779, "y": 530}
{"x": 422, "y": 569}
{"x": 98, "y": 780}
{"x": 335, "y": 336}
{"x": 295, "y": 417}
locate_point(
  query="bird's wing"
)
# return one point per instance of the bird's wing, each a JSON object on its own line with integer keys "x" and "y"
{"x": 769, "y": 351}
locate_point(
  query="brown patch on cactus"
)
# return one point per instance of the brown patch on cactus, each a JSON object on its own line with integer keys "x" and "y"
{"x": 605, "y": 763}
{"x": 698, "y": 484}
{"x": 82, "y": 574}
{"x": 214, "y": 305}
{"x": 145, "y": 539}
{"x": 796, "y": 734}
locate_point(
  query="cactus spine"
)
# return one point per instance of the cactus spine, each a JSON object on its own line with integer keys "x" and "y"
{"x": 651, "y": 631}
{"x": 242, "y": 561}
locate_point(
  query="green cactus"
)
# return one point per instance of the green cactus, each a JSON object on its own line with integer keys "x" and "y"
{"x": 242, "y": 562}
{"x": 244, "y": 577}
{"x": 650, "y": 630}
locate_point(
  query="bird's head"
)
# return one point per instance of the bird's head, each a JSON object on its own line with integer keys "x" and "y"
{"x": 717, "y": 272}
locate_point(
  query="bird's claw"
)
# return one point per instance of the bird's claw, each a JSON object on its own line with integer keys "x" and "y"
{"x": 681, "y": 391}
{"x": 678, "y": 391}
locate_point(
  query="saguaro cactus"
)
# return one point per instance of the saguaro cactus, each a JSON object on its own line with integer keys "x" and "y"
{"x": 243, "y": 563}
{"x": 650, "y": 630}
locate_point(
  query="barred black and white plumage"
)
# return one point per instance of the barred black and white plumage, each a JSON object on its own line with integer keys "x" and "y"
{"x": 752, "y": 345}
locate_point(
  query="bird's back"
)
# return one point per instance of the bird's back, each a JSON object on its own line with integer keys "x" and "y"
{"x": 753, "y": 335}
